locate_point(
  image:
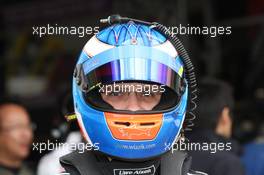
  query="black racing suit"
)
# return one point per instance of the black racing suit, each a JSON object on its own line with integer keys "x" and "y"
{"x": 93, "y": 163}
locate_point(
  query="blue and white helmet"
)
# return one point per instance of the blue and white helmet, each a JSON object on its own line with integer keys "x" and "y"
{"x": 128, "y": 52}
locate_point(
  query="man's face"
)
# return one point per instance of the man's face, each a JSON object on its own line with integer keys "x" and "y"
{"x": 15, "y": 131}
{"x": 132, "y": 96}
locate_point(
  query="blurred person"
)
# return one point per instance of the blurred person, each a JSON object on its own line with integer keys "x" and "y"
{"x": 49, "y": 164}
{"x": 214, "y": 126}
{"x": 15, "y": 139}
{"x": 253, "y": 154}
{"x": 130, "y": 91}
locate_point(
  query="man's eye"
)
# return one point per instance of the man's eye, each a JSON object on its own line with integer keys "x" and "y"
{"x": 150, "y": 94}
{"x": 147, "y": 94}
{"x": 114, "y": 94}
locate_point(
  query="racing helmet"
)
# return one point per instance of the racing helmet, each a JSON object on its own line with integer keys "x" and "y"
{"x": 130, "y": 51}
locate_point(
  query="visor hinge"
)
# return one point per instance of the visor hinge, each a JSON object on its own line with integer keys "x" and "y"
{"x": 80, "y": 78}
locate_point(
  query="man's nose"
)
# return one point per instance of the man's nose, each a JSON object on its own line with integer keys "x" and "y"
{"x": 133, "y": 103}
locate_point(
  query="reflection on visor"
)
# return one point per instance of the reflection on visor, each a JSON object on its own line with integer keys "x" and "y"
{"x": 132, "y": 70}
{"x": 144, "y": 71}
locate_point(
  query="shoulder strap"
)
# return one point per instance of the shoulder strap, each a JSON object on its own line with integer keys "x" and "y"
{"x": 77, "y": 163}
{"x": 176, "y": 163}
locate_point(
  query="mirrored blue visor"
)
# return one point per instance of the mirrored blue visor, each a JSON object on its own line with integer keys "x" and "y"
{"x": 133, "y": 63}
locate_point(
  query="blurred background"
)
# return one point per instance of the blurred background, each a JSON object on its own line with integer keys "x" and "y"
{"x": 38, "y": 71}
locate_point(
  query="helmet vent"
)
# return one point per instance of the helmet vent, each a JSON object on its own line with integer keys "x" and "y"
{"x": 147, "y": 124}
{"x": 123, "y": 123}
